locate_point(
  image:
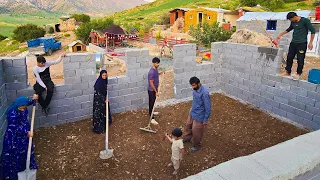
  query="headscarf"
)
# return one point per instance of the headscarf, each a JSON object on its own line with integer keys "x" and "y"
{"x": 20, "y": 101}
{"x": 101, "y": 84}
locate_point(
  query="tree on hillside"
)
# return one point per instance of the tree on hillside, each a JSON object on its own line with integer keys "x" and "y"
{"x": 81, "y": 17}
{"x": 84, "y": 30}
{"x": 250, "y": 3}
{"x": 28, "y": 32}
{"x": 271, "y": 4}
{"x": 316, "y": 3}
{"x": 3, "y": 37}
{"x": 209, "y": 33}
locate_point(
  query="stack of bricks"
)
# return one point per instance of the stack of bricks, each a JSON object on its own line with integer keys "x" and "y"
{"x": 185, "y": 67}
{"x": 130, "y": 92}
{"x": 282, "y": 25}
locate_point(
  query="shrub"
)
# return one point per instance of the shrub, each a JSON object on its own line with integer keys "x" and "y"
{"x": 67, "y": 35}
{"x": 81, "y": 17}
{"x": 3, "y": 37}
{"x": 316, "y": 3}
{"x": 51, "y": 30}
{"x": 27, "y": 32}
{"x": 209, "y": 33}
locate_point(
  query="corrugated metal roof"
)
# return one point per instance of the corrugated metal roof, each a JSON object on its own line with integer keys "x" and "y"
{"x": 249, "y": 16}
{"x": 74, "y": 43}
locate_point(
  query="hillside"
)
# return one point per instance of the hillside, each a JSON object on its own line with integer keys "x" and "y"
{"x": 153, "y": 12}
{"x": 69, "y": 6}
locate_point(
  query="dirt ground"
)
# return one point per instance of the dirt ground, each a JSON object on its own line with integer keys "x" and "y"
{"x": 309, "y": 63}
{"x": 71, "y": 151}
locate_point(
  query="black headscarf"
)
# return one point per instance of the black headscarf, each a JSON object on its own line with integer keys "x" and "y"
{"x": 101, "y": 84}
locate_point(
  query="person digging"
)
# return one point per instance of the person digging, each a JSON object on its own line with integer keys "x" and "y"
{"x": 43, "y": 81}
{"x": 199, "y": 114}
{"x": 299, "y": 43}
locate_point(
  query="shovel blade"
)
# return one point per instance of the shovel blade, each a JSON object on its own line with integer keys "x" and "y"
{"x": 106, "y": 154}
{"x": 27, "y": 175}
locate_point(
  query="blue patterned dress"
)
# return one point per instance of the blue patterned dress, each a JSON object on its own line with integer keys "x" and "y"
{"x": 15, "y": 145}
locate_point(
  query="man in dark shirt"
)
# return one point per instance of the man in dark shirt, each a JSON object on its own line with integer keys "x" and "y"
{"x": 153, "y": 84}
{"x": 299, "y": 43}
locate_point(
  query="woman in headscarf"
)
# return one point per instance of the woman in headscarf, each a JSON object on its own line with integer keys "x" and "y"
{"x": 99, "y": 103}
{"x": 16, "y": 140}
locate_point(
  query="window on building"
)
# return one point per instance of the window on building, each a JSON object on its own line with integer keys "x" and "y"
{"x": 191, "y": 17}
{"x": 209, "y": 17}
{"x": 271, "y": 25}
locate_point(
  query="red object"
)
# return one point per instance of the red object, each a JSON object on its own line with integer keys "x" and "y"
{"x": 275, "y": 42}
{"x": 226, "y": 26}
{"x": 318, "y": 13}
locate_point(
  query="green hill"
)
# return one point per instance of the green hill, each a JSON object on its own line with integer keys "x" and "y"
{"x": 154, "y": 12}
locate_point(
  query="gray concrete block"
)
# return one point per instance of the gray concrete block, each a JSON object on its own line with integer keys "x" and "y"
{"x": 268, "y": 82}
{"x": 307, "y": 85}
{"x": 83, "y": 112}
{"x": 75, "y": 93}
{"x": 279, "y": 112}
{"x": 313, "y": 95}
{"x": 65, "y": 102}
{"x": 297, "y": 105}
{"x": 124, "y": 104}
{"x": 273, "y": 77}
{"x": 255, "y": 79}
{"x": 89, "y": 78}
{"x": 118, "y": 87}
{"x": 66, "y": 115}
{"x": 82, "y": 86}
{"x": 272, "y": 103}
{"x": 15, "y": 78}
{"x": 311, "y": 124}
{"x": 56, "y": 110}
{"x": 88, "y": 91}
{"x": 303, "y": 114}
{"x": 116, "y": 99}
{"x": 125, "y": 92}
{"x": 305, "y": 100}
{"x": 25, "y": 92}
{"x": 137, "y": 102}
{"x": 313, "y": 110}
{"x": 299, "y": 91}
{"x": 287, "y": 108}
{"x": 295, "y": 118}
{"x": 131, "y": 97}
{"x": 72, "y": 80}
{"x": 118, "y": 110}
{"x": 71, "y": 66}
{"x": 284, "y": 87}
{"x": 47, "y": 119}
{"x": 81, "y": 99}
{"x": 289, "y": 81}
{"x": 281, "y": 100}
{"x": 288, "y": 95}
{"x": 7, "y": 63}
{"x": 84, "y": 72}
{"x": 16, "y": 86}
{"x": 266, "y": 94}
{"x": 265, "y": 106}
{"x": 88, "y": 65}
{"x": 86, "y": 105}
{"x": 317, "y": 105}
{"x": 316, "y": 119}
{"x": 85, "y": 57}
{"x": 69, "y": 73}
{"x": 63, "y": 88}
{"x": 10, "y": 71}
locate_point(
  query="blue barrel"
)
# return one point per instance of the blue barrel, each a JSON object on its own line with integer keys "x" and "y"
{"x": 314, "y": 76}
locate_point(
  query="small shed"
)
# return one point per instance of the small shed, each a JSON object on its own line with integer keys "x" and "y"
{"x": 201, "y": 15}
{"x": 177, "y": 13}
{"x": 77, "y": 46}
{"x": 275, "y": 23}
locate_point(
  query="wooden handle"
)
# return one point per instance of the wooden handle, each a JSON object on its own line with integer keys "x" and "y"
{"x": 30, "y": 138}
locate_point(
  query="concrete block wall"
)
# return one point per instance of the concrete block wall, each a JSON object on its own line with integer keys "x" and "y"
{"x": 185, "y": 67}
{"x": 73, "y": 100}
{"x": 282, "y": 25}
{"x": 249, "y": 73}
{"x": 3, "y": 106}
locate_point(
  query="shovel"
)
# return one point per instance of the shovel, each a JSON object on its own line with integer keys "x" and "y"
{"x": 107, "y": 153}
{"x": 29, "y": 174}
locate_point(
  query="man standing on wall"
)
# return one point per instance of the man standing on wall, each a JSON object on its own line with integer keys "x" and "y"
{"x": 43, "y": 81}
{"x": 299, "y": 43}
{"x": 153, "y": 84}
{"x": 199, "y": 114}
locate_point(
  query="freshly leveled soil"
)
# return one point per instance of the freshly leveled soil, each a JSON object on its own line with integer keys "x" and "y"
{"x": 71, "y": 151}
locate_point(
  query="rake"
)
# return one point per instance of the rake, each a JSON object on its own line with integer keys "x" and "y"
{"x": 148, "y": 128}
